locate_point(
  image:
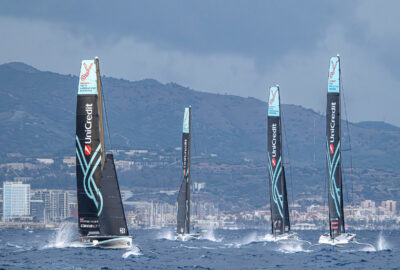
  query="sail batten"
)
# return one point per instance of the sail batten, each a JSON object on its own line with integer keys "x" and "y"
{"x": 333, "y": 150}
{"x": 280, "y": 222}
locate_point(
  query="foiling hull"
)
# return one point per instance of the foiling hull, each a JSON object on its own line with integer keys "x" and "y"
{"x": 115, "y": 242}
{"x": 187, "y": 236}
{"x": 290, "y": 236}
{"x": 343, "y": 239}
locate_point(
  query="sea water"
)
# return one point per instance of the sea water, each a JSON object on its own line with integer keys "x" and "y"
{"x": 220, "y": 249}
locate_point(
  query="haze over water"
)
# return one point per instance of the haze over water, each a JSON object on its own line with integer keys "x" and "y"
{"x": 242, "y": 249}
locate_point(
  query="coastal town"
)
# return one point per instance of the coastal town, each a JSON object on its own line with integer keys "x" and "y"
{"x": 21, "y": 206}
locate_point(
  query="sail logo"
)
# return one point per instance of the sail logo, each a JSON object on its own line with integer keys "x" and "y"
{"x": 331, "y": 149}
{"x": 334, "y": 65}
{"x": 86, "y": 74}
{"x": 88, "y": 124}
{"x": 186, "y": 121}
{"x": 88, "y": 150}
{"x": 332, "y": 123}
{"x": 273, "y": 162}
{"x": 273, "y": 141}
{"x": 272, "y": 99}
{"x": 335, "y": 225}
{"x": 185, "y": 155}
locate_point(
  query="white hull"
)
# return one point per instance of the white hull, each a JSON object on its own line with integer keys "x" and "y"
{"x": 187, "y": 236}
{"x": 343, "y": 239}
{"x": 116, "y": 242}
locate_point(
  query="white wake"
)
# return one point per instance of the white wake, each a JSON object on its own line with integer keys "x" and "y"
{"x": 167, "y": 234}
{"x": 210, "y": 236}
{"x": 382, "y": 243}
{"x": 134, "y": 251}
{"x": 63, "y": 237}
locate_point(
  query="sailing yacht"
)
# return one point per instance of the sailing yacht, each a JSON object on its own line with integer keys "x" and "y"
{"x": 280, "y": 222}
{"x": 183, "y": 215}
{"x": 337, "y": 234}
{"x": 101, "y": 214}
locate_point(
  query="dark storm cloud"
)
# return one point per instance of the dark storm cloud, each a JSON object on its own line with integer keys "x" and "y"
{"x": 252, "y": 28}
{"x": 238, "y": 47}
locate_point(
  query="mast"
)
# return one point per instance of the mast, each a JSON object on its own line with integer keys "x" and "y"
{"x": 333, "y": 150}
{"x": 100, "y": 106}
{"x": 277, "y": 182}
{"x": 188, "y": 172}
{"x": 183, "y": 215}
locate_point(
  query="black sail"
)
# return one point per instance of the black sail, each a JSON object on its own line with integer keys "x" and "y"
{"x": 183, "y": 216}
{"x": 277, "y": 183}
{"x": 88, "y": 150}
{"x": 333, "y": 150}
{"x": 112, "y": 217}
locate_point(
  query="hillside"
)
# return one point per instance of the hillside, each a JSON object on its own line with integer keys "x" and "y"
{"x": 37, "y": 119}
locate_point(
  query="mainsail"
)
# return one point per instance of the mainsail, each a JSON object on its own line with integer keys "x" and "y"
{"x": 183, "y": 216}
{"x": 277, "y": 181}
{"x": 333, "y": 150}
{"x": 88, "y": 150}
{"x": 100, "y": 207}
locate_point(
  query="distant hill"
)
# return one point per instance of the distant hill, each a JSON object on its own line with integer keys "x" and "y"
{"x": 37, "y": 119}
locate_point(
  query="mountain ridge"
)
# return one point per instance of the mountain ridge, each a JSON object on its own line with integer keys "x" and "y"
{"x": 37, "y": 119}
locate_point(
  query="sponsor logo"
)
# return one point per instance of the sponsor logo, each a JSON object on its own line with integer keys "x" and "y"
{"x": 185, "y": 155}
{"x": 273, "y": 162}
{"x": 272, "y": 99}
{"x": 88, "y": 150}
{"x": 86, "y": 74}
{"x": 331, "y": 149}
{"x": 334, "y": 65}
{"x": 88, "y": 124}
{"x": 273, "y": 141}
{"x": 332, "y": 123}
{"x": 335, "y": 225}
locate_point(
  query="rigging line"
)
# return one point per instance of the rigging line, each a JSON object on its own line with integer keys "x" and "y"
{"x": 106, "y": 114}
{"x": 326, "y": 188}
{"x": 290, "y": 165}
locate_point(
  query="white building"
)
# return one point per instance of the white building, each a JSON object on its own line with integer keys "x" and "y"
{"x": 16, "y": 200}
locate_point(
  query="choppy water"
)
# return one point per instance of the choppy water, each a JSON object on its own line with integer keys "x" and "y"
{"x": 242, "y": 249}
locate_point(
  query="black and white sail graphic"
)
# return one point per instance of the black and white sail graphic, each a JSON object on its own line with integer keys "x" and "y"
{"x": 183, "y": 216}
{"x": 88, "y": 151}
{"x": 333, "y": 150}
{"x": 277, "y": 181}
{"x": 112, "y": 218}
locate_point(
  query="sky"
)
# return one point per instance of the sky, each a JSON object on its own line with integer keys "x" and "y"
{"x": 221, "y": 46}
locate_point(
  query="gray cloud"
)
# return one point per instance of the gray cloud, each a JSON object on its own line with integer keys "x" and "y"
{"x": 218, "y": 47}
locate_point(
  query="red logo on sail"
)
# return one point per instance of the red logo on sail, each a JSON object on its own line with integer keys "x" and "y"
{"x": 331, "y": 149}
{"x": 273, "y": 96}
{"x": 333, "y": 69}
{"x": 84, "y": 76}
{"x": 88, "y": 149}
{"x": 335, "y": 225}
{"x": 273, "y": 162}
